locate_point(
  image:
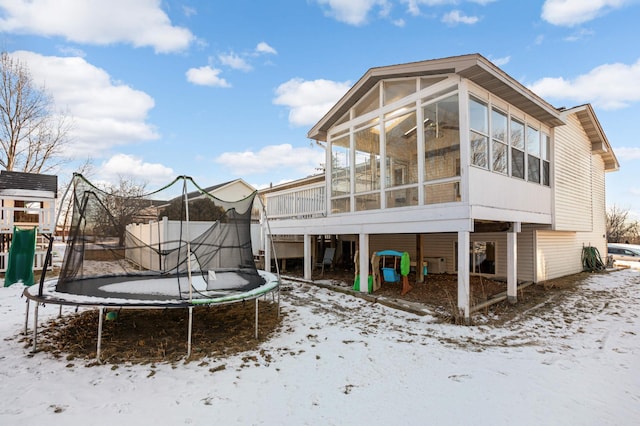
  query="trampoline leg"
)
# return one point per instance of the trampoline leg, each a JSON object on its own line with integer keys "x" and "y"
{"x": 60, "y": 312}
{"x": 99, "y": 347}
{"x": 256, "y": 317}
{"x": 278, "y": 307}
{"x": 35, "y": 327}
{"x": 26, "y": 319}
{"x": 189, "y": 332}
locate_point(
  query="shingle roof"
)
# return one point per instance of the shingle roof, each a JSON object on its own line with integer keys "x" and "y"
{"x": 28, "y": 181}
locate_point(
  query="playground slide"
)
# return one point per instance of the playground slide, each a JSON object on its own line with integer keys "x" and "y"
{"x": 21, "y": 254}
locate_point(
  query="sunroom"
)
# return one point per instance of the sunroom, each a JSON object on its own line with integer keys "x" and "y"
{"x": 451, "y": 158}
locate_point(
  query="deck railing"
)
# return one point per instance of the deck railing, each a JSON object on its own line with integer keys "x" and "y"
{"x": 43, "y": 218}
{"x": 297, "y": 203}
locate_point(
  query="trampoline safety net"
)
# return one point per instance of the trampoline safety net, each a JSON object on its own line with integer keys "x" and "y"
{"x": 178, "y": 242}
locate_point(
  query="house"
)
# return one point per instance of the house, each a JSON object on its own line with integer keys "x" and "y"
{"x": 459, "y": 164}
{"x": 28, "y": 201}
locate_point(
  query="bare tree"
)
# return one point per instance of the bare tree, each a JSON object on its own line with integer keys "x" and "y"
{"x": 619, "y": 227}
{"x": 32, "y": 135}
{"x": 121, "y": 205}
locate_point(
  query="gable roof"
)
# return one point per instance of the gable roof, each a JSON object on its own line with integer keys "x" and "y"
{"x": 28, "y": 181}
{"x": 599, "y": 142}
{"x": 474, "y": 67}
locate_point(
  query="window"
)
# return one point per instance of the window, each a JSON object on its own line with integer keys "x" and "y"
{"x": 546, "y": 153}
{"x": 499, "y": 142}
{"x": 479, "y": 125}
{"x": 533, "y": 154}
{"x": 396, "y": 90}
{"x": 516, "y": 140}
{"x": 340, "y": 166}
{"x": 482, "y": 257}
{"x": 367, "y": 159}
{"x": 401, "y": 141}
{"x": 441, "y": 139}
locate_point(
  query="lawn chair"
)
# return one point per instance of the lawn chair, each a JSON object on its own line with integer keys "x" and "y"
{"x": 327, "y": 260}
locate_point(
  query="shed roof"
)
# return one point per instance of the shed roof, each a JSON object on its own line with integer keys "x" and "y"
{"x": 28, "y": 181}
{"x": 474, "y": 67}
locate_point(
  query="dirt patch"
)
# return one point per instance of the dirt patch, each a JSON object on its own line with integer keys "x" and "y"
{"x": 160, "y": 335}
{"x": 439, "y": 293}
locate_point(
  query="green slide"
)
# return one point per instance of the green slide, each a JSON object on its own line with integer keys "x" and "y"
{"x": 21, "y": 254}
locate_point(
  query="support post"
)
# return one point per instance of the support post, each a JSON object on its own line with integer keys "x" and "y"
{"x": 189, "y": 331}
{"x": 512, "y": 263}
{"x": 256, "y": 299}
{"x": 26, "y": 319}
{"x": 419, "y": 257}
{"x": 308, "y": 258}
{"x": 463, "y": 275}
{"x": 35, "y": 328}
{"x": 363, "y": 243}
{"x": 99, "y": 346}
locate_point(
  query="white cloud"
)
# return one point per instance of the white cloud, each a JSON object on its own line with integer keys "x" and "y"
{"x": 627, "y": 154}
{"x": 134, "y": 167}
{"x": 609, "y": 86}
{"x": 104, "y": 113}
{"x": 573, "y": 12}
{"x": 234, "y": 61}
{"x": 457, "y": 17}
{"x": 500, "y": 61}
{"x": 263, "y": 47}
{"x": 303, "y": 160}
{"x": 579, "y": 35}
{"x": 140, "y": 23}
{"x": 308, "y": 101}
{"x": 353, "y": 12}
{"x": 413, "y": 6}
{"x": 206, "y": 76}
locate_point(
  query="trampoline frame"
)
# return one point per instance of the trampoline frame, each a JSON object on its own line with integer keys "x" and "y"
{"x": 271, "y": 286}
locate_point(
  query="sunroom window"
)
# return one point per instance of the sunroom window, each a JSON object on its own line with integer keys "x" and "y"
{"x": 516, "y": 140}
{"x": 533, "y": 154}
{"x": 545, "y": 152}
{"x": 479, "y": 131}
{"x": 499, "y": 142}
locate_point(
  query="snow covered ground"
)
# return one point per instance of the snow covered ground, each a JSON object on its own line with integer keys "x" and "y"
{"x": 340, "y": 360}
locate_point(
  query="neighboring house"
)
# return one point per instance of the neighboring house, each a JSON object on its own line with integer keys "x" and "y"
{"x": 455, "y": 162}
{"x": 28, "y": 200}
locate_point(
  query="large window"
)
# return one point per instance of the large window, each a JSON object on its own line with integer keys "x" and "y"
{"x": 499, "y": 142}
{"x": 401, "y": 162}
{"x": 533, "y": 154}
{"x": 516, "y": 140}
{"x": 340, "y": 174}
{"x": 479, "y": 131}
{"x": 546, "y": 149}
{"x": 441, "y": 139}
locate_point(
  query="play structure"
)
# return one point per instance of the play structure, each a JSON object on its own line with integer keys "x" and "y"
{"x": 389, "y": 266}
{"x": 21, "y": 255}
{"x": 108, "y": 266}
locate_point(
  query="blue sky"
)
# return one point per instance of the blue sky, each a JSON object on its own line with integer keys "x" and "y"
{"x": 220, "y": 90}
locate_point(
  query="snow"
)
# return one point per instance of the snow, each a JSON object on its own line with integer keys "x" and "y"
{"x": 340, "y": 360}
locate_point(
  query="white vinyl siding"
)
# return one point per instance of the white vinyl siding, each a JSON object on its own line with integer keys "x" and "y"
{"x": 573, "y": 176}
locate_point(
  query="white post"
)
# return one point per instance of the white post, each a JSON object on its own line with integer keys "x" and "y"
{"x": 512, "y": 263}
{"x": 463, "y": 275}
{"x": 364, "y": 262}
{"x": 308, "y": 264}
{"x": 267, "y": 252}
{"x": 99, "y": 346}
{"x": 256, "y": 299}
{"x": 35, "y": 327}
{"x": 189, "y": 331}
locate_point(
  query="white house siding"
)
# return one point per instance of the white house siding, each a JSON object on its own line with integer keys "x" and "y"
{"x": 560, "y": 253}
{"x": 572, "y": 178}
{"x": 526, "y": 253}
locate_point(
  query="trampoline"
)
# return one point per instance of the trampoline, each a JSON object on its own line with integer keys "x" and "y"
{"x": 145, "y": 251}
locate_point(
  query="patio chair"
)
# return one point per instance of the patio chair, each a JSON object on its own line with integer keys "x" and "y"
{"x": 327, "y": 260}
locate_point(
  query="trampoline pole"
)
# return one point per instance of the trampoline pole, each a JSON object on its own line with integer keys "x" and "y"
{"x": 99, "y": 346}
{"x": 26, "y": 319}
{"x": 256, "y": 317}
{"x": 35, "y": 327}
{"x": 189, "y": 332}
